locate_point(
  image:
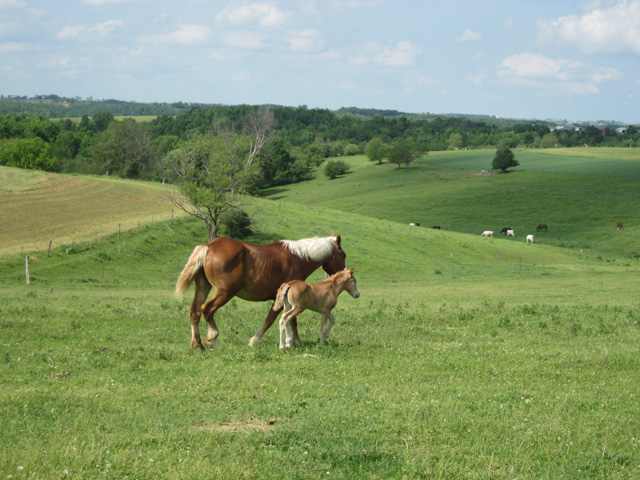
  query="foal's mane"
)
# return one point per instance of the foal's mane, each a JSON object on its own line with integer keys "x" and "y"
{"x": 315, "y": 249}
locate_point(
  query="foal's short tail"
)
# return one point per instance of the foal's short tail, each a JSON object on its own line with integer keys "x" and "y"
{"x": 282, "y": 291}
{"x": 191, "y": 269}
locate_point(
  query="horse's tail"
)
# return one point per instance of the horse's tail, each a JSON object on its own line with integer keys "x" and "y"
{"x": 282, "y": 292}
{"x": 191, "y": 269}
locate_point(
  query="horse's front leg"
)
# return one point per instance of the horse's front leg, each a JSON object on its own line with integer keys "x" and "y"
{"x": 326, "y": 326}
{"x": 293, "y": 324}
{"x": 271, "y": 316}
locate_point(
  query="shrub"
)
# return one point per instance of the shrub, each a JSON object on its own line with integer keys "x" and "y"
{"x": 334, "y": 168}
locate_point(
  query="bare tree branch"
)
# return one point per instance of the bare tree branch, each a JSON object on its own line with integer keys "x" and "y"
{"x": 259, "y": 126}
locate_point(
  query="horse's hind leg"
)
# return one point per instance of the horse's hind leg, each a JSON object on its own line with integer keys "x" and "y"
{"x": 203, "y": 287}
{"x": 284, "y": 326}
{"x": 209, "y": 310}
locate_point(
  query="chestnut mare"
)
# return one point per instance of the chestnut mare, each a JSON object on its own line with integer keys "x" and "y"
{"x": 251, "y": 272}
{"x": 297, "y": 296}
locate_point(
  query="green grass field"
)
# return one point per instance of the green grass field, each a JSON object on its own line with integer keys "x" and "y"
{"x": 600, "y": 162}
{"x": 465, "y": 357}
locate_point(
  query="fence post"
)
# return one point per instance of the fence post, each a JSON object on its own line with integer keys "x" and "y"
{"x": 49, "y": 251}
{"x": 26, "y": 269}
{"x": 452, "y": 265}
{"x": 118, "y": 231}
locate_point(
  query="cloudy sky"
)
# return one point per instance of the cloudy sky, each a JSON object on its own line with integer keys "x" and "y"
{"x": 557, "y": 59}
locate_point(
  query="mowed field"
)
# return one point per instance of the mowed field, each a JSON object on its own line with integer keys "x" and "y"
{"x": 37, "y": 207}
{"x": 464, "y": 357}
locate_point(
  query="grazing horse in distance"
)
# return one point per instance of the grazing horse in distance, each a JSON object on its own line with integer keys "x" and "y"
{"x": 487, "y": 233}
{"x": 619, "y": 225}
{"x": 436, "y": 227}
{"x": 251, "y": 272}
{"x": 541, "y": 227}
{"x": 530, "y": 238}
{"x": 511, "y": 233}
{"x": 505, "y": 230}
{"x": 297, "y": 296}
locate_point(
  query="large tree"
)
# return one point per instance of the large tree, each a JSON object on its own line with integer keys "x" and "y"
{"x": 213, "y": 174}
{"x": 402, "y": 153}
{"x": 504, "y": 160}
{"x": 124, "y": 149}
{"x": 376, "y": 150}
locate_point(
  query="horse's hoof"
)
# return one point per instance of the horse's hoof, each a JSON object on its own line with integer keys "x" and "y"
{"x": 253, "y": 341}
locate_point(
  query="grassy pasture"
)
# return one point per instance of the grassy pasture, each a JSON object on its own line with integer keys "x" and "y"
{"x": 465, "y": 357}
{"x": 37, "y": 207}
{"x": 581, "y": 210}
{"x": 600, "y": 162}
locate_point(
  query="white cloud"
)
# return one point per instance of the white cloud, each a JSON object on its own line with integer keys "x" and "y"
{"x": 305, "y": 41}
{"x": 611, "y": 29}
{"x": 10, "y": 47}
{"x": 106, "y": 2}
{"x": 533, "y": 65}
{"x": 469, "y": 36}
{"x": 186, "y": 34}
{"x": 537, "y": 71}
{"x": 107, "y": 27}
{"x": 402, "y": 55}
{"x": 11, "y": 4}
{"x": 103, "y": 28}
{"x": 70, "y": 31}
{"x": 263, "y": 14}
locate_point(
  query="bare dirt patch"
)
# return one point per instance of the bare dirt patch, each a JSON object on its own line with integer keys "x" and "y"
{"x": 249, "y": 423}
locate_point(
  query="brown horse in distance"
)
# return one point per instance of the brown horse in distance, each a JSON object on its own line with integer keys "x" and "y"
{"x": 251, "y": 272}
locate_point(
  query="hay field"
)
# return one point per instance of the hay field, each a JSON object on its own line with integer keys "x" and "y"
{"x": 37, "y": 207}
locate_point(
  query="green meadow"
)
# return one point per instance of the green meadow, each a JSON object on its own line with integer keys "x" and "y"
{"x": 464, "y": 357}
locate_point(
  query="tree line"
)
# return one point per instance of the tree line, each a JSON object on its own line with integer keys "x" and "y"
{"x": 300, "y": 139}
{"x": 217, "y": 155}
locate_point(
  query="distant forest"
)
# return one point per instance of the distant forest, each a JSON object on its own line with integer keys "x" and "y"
{"x": 59, "y": 134}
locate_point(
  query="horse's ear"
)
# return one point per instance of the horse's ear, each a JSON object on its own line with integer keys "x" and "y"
{"x": 338, "y": 240}
{"x": 351, "y": 272}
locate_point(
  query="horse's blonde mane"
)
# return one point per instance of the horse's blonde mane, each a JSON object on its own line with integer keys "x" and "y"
{"x": 315, "y": 249}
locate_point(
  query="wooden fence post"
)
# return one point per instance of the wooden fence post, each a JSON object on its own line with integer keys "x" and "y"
{"x": 49, "y": 251}
{"x": 26, "y": 269}
{"x": 452, "y": 265}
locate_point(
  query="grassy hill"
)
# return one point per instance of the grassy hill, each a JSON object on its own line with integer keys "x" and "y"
{"x": 38, "y": 207}
{"x": 447, "y": 189}
{"x": 465, "y": 357}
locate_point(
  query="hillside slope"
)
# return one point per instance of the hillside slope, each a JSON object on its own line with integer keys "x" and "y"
{"x": 37, "y": 207}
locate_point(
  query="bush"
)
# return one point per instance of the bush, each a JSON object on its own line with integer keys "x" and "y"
{"x": 238, "y": 226}
{"x": 335, "y": 168}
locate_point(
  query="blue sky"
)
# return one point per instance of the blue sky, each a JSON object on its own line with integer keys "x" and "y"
{"x": 544, "y": 59}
